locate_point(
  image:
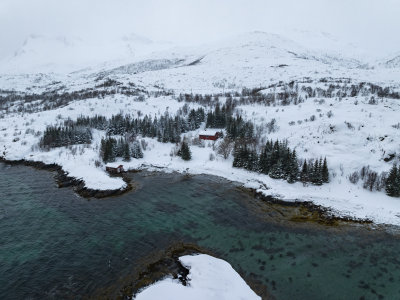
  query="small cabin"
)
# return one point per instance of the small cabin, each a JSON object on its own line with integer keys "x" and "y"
{"x": 211, "y": 135}
{"x": 115, "y": 170}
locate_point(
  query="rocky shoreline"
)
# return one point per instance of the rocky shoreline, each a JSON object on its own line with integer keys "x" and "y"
{"x": 63, "y": 180}
{"x": 156, "y": 266}
{"x": 310, "y": 211}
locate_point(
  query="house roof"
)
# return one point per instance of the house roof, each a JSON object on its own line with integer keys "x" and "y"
{"x": 114, "y": 165}
{"x": 210, "y": 131}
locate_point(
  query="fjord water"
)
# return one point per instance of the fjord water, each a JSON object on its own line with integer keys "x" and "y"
{"x": 55, "y": 244}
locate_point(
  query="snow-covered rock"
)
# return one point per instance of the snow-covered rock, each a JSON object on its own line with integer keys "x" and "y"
{"x": 210, "y": 279}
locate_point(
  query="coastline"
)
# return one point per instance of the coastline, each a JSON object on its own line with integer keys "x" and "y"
{"x": 63, "y": 180}
{"x": 312, "y": 212}
{"x": 162, "y": 264}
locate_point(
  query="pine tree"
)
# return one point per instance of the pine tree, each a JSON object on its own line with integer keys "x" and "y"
{"x": 319, "y": 173}
{"x": 184, "y": 152}
{"x": 107, "y": 149}
{"x": 276, "y": 171}
{"x": 136, "y": 150}
{"x": 325, "y": 172}
{"x": 393, "y": 182}
{"x": 264, "y": 161}
{"x": 397, "y": 183}
{"x": 293, "y": 168}
{"x": 240, "y": 155}
{"x": 316, "y": 173}
{"x": 304, "y": 175}
{"x": 127, "y": 153}
{"x": 251, "y": 160}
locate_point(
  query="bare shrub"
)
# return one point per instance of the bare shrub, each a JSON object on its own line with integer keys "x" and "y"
{"x": 144, "y": 144}
{"x": 396, "y": 126}
{"x": 349, "y": 125}
{"x": 371, "y": 180}
{"x": 354, "y": 177}
{"x": 372, "y": 101}
{"x": 271, "y": 126}
{"x": 198, "y": 142}
{"x": 225, "y": 147}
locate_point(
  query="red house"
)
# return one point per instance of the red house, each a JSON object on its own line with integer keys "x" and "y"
{"x": 116, "y": 170}
{"x": 211, "y": 135}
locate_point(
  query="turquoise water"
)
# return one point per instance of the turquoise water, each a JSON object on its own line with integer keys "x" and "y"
{"x": 55, "y": 244}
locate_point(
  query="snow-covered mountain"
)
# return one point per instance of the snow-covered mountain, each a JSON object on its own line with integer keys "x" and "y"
{"x": 249, "y": 60}
{"x": 61, "y": 54}
{"x": 246, "y": 60}
{"x": 393, "y": 62}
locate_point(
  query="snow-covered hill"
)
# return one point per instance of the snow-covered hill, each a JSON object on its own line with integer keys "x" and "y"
{"x": 343, "y": 107}
{"x": 61, "y": 54}
{"x": 246, "y": 60}
{"x": 392, "y": 62}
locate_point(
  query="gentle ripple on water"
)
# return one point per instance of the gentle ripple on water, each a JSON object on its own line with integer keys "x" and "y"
{"x": 54, "y": 243}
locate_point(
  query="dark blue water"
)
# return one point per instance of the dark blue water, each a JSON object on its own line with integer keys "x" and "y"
{"x": 55, "y": 244}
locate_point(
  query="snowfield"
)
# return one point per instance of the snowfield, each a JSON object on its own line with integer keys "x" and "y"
{"x": 210, "y": 278}
{"x": 349, "y": 131}
{"x": 370, "y": 140}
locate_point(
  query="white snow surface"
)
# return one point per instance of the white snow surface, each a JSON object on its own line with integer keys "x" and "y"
{"x": 210, "y": 279}
{"x": 347, "y": 150}
{"x": 65, "y": 54}
{"x": 249, "y": 60}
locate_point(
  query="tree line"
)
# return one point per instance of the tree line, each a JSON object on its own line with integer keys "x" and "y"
{"x": 286, "y": 93}
{"x": 222, "y": 117}
{"x": 165, "y": 128}
{"x": 111, "y": 148}
{"x": 59, "y": 136}
{"x": 278, "y": 161}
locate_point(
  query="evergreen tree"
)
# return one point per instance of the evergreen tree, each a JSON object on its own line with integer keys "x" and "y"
{"x": 276, "y": 171}
{"x": 304, "y": 175}
{"x": 251, "y": 160}
{"x": 126, "y": 152}
{"x": 185, "y": 152}
{"x": 319, "y": 174}
{"x": 293, "y": 169}
{"x": 397, "y": 183}
{"x": 393, "y": 182}
{"x": 325, "y": 172}
{"x": 264, "y": 162}
{"x": 316, "y": 173}
{"x": 136, "y": 150}
{"x": 107, "y": 149}
{"x": 239, "y": 154}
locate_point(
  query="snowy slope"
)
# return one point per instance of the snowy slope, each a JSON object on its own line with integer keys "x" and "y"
{"x": 259, "y": 58}
{"x": 393, "y": 62}
{"x": 248, "y": 60}
{"x": 369, "y": 141}
{"x": 44, "y": 54}
{"x": 209, "y": 278}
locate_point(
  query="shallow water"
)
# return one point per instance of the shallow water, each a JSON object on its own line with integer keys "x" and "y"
{"x": 54, "y": 243}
